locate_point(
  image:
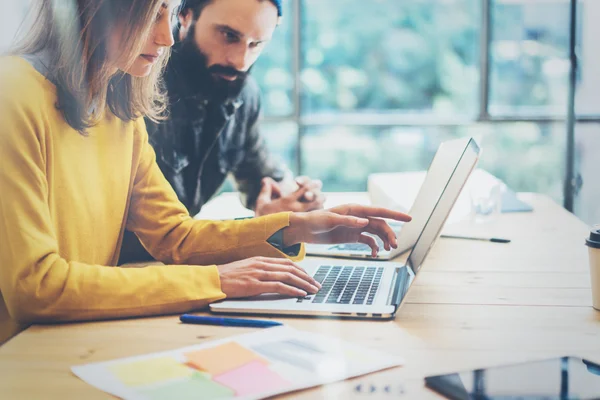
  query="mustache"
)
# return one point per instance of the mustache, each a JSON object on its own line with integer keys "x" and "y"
{"x": 224, "y": 70}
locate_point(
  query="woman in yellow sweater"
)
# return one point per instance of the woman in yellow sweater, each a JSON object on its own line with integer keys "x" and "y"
{"x": 77, "y": 169}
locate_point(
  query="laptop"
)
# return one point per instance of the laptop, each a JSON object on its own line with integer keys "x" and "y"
{"x": 363, "y": 289}
{"x": 441, "y": 169}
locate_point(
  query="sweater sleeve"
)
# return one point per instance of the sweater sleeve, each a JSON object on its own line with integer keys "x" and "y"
{"x": 170, "y": 235}
{"x": 36, "y": 282}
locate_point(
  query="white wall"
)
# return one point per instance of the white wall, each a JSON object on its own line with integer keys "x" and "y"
{"x": 11, "y": 17}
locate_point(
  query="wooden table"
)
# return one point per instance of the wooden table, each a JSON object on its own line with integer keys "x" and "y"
{"x": 474, "y": 304}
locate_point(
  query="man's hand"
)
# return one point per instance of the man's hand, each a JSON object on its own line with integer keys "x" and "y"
{"x": 259, "y": 275}
{"x": 307, "y": 197}
{"x": 344, "y": 224}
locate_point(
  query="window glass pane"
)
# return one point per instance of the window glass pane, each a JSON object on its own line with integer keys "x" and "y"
{"x": 587, "y": 204}
{"x": 344, "y": 156}
{"x": 390, "y": 55}
{"x": 529, "y": 57}
{"x": 589, "y": 58}
{"x": 273, "y": 69}
{"x": 527, "y": 156}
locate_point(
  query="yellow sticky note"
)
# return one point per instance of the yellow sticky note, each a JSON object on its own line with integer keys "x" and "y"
{"x": 149, "y": 371}
{"x": 222, "y": 358}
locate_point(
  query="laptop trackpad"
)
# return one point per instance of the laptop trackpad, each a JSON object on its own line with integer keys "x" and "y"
{"x": 269, "y": 297}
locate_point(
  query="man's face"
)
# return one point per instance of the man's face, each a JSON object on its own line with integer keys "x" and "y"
{"x": 231, "y": 34}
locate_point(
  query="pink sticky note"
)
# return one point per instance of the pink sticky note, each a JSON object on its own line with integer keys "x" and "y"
{"x": 252, "y": 378}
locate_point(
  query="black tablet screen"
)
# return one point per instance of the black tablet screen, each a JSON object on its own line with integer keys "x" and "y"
{"x": 565, "y": 378}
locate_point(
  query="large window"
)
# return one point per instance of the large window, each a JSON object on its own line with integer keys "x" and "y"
{"x": 369, "y": 86}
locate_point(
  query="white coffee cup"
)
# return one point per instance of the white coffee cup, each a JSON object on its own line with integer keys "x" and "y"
{"x": 593, "y": 244}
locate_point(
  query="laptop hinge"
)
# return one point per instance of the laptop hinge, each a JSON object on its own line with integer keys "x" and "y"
{"x": 399, "y": 286}
{"x": 394, "y": 286}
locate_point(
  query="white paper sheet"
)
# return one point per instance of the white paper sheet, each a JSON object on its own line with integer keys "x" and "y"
{"x": 251, "y": 366}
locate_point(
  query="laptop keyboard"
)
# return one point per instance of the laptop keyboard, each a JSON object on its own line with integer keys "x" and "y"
{"x": 346, "y": 285}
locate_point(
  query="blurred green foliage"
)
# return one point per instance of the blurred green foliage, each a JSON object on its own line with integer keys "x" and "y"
{"x": 419, "y": 58}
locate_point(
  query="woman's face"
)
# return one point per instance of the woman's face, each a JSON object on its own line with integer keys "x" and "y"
{"x": 159, "y": 39}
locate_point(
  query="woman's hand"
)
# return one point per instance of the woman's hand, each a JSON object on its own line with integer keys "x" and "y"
{"x": 258, "y": 275}
{"x": 344, "y": 224}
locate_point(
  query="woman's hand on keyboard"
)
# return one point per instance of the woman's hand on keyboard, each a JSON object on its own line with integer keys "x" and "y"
{"x": 258, "y": 275}
{"x": 344, "y": 224}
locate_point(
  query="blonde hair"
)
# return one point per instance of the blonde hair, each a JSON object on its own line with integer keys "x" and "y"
{"x": 73, "y": 37}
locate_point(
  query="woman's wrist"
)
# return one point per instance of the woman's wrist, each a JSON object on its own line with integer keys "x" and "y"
{"x": 294, "y": 232}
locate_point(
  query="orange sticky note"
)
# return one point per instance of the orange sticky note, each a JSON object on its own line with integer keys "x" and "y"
{"x": 222, "y": 358}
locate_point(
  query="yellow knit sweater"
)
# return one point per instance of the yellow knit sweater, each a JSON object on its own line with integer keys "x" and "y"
{"x": 65, "y": 200}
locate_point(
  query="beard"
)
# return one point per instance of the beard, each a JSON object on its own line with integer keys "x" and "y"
{"x": 206, "y": 77}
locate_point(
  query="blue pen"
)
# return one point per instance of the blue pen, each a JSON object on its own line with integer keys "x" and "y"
{"x": 249, "y": 323}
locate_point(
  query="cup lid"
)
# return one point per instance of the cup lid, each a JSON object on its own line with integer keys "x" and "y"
{"x": 594, "y": 239}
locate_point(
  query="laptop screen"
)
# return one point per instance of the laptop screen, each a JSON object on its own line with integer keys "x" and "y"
{"x": 447, "y": 158}
{"x": 433, "y": 226}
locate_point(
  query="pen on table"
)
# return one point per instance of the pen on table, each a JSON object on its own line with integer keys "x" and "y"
{"x": 484, "y": 239}
{"x": 248, "y": 323}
